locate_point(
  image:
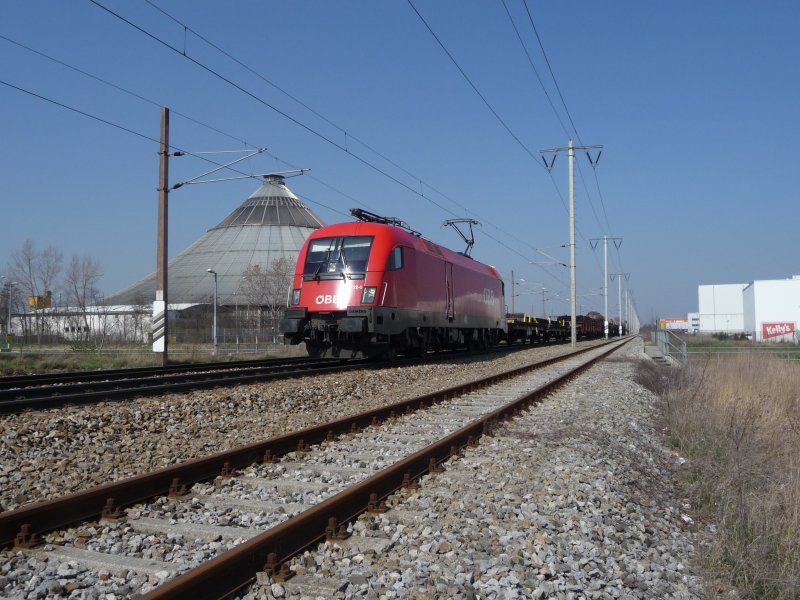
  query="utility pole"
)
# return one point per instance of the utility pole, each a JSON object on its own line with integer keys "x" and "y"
{"x": 161, "y": 302}
{"x": 628, "y": 309}
{"x": 544, "y": 314}
{"x": 214, "y": 324}
{"x": 572, "y": 281}
{"x": 572, "y": 278}
{"x": 512, "y": 292}
{"x": 619, "y": 277}
{"x": 160, "y": 320}
{"x": 594, "y": 242}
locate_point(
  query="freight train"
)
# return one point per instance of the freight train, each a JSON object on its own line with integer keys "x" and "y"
{"x": 374, "y": 287}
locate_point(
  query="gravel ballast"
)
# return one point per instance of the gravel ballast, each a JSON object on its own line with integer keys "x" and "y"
{"x": 571, "y": 500}
{"x": 49, "y": 453}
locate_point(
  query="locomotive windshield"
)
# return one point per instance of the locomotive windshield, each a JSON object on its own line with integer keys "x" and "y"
{"x": 338, "y": 256}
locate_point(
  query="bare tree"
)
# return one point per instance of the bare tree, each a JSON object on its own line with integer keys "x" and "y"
{"x": 280, "y": 280}
{"x": 254, "y": 289}
{"x": 80, "y": 281}
{"x": 141, "y": 310}
{"x": 266, "y": 290}
{"x": 37, "y": 273}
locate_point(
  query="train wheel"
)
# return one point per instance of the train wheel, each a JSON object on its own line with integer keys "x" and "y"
{"x": 422, "y": 350}
{"x": 314, "y": 350}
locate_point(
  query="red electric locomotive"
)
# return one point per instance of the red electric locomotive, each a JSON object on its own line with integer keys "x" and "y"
{"x": 374, "y": 287}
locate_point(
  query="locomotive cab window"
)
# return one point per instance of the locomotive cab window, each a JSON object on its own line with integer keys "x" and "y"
{"x": 338, "y": 257}
{"x": 395, "y": 261}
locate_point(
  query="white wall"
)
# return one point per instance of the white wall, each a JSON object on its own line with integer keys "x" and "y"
{"x": 772, "y": 301}
{"x": 694, "y": 322}
{"x": 721, "y": 308}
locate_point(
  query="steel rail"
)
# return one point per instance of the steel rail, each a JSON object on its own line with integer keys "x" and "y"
{"x": 43, "y": 379}
{"x": 120, "y": 390}
{"x": 21, "y": 526}
{"x": 17, "y": 381}
{"x": 145, "y": 381}
{"x": 271, "y": 550}
{"x": 50, "y": 396}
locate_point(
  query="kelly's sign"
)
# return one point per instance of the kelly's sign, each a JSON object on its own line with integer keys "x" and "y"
{"x": 772, "y": 330}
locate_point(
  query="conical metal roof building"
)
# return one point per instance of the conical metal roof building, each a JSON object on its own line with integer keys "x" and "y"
{"x": 271, "y": 224}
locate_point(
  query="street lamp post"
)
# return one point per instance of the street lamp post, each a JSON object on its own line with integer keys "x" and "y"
{"x": 214, "y": 326}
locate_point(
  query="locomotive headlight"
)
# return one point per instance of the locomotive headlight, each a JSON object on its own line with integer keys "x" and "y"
{"x": 368, "y": 297}
{"x": 295, "y": 297}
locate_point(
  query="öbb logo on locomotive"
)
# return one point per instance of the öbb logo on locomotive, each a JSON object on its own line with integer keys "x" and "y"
{"x": 327, "y": 299}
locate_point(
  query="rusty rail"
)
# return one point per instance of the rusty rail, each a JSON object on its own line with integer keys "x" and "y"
{"x": 271, "y": 551}
{"x": 22, "y": 526}
{"x": 20, "y": 393}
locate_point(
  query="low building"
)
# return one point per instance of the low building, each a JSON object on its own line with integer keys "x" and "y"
{"x": 674, "y": 324}
{"x": 772, "y": 309}
{"x": 720, "y": 308}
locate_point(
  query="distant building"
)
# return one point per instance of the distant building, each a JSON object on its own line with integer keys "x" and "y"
{"x": 720, "y": 308}
{"x": 674, "y": 324}
{"x": 271, "y": 224}
{"x": 772, "y": 309}
{"x": 694, "y": 322}
{"x": 265, "y": 232}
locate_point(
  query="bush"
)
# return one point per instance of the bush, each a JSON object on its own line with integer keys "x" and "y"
{"x": 82, "y": 346}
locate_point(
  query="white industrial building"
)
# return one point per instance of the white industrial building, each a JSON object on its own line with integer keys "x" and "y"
{"x": 720, "y": 308}
{"x": 772, "y": 309}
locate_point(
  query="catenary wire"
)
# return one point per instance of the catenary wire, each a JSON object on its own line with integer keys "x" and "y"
{"x": 294, "y": 120}
{"x": 566, "y": 109}
{"x": 336, "y": 126}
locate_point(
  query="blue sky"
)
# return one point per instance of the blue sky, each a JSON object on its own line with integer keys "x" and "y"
{"x": 695, "y": 103}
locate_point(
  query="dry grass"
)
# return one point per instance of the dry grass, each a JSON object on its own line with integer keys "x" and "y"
{"x": 59, "y": 359}
{"x": 737, "y": 420}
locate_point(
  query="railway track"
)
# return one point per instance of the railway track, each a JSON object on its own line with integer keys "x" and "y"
{"x": 20, "y": 381}
{"x": 31, "y": 392}
{"x": 86, "y": 388}
{"x": 259, "y": 513}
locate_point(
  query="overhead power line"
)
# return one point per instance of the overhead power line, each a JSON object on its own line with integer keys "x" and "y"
{"x": 552, "y": 75}
{"x": 309, "y": 129}
{"x": 81, "y": 112}
{"x": 139, "y": 134}
{"x": 569, "y": 115}
{"x": 260, "y": 100}
{"x": 533, "y": 67}
{"x": 346, "y": 133}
